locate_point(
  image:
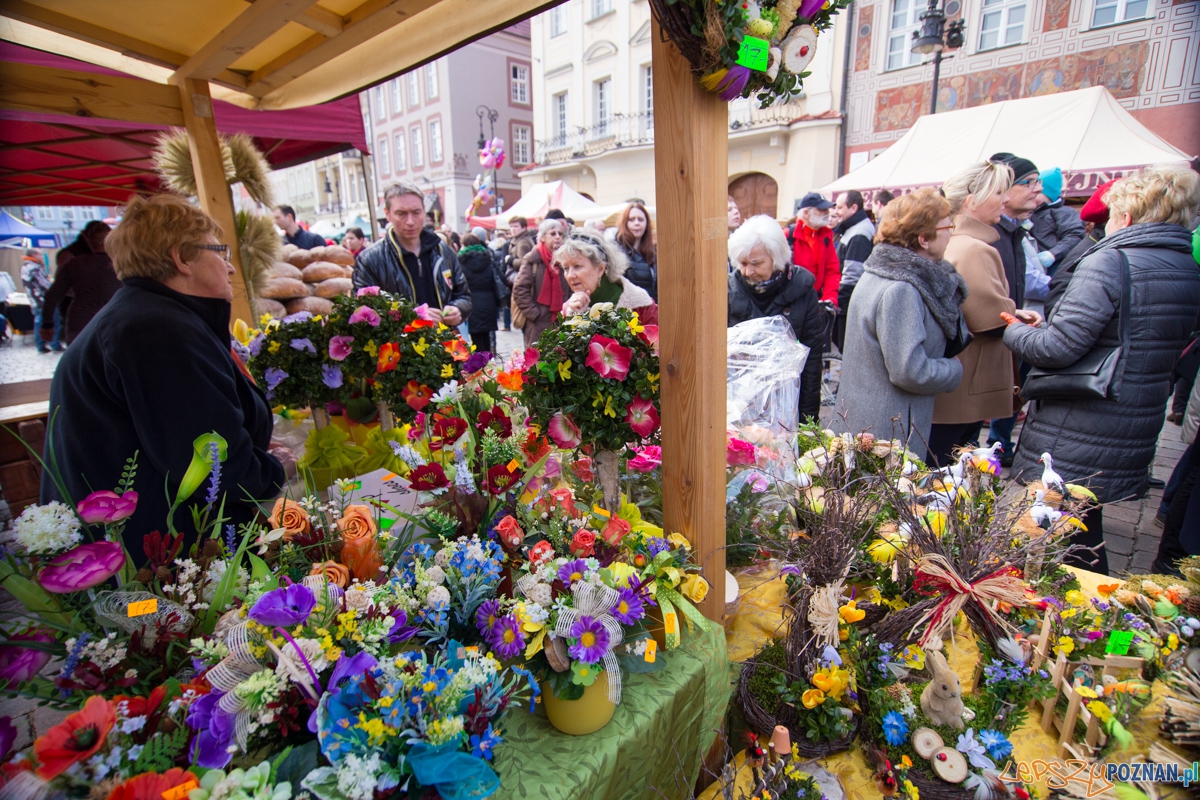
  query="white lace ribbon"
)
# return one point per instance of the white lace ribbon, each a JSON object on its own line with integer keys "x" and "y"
{"x": 596, "y": 601}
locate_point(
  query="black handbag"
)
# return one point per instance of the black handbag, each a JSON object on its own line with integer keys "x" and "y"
{"x": 1095, "y": 376}
{"x": 962, "y": 338}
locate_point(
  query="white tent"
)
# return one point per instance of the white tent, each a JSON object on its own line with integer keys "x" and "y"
{"x": 542, "y": 197}
{"x": 1086, "y": 132}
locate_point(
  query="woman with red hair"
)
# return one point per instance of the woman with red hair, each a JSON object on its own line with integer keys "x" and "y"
{"x": 635, "y": 234}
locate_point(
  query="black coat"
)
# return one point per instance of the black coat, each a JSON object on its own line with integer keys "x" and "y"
{"x": 1057, "y": 229}
{"x": 480, "y": 270}
{"x": 640, "y": 273}
{"x": 438, "y": 278}
{"x": 1115, "y": 438}
{"x": 1012, "y": 255}
{"x": 152, "y": 372}
{"x": 81, "y": 288}
{"x": 798, "y": 303}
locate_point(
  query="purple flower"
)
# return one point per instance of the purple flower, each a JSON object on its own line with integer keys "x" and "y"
{"x": 214, "y": 475}
{"x": 331, "y": 376}
{"x": 299, "y": 316}
{"x": 365, "y": 314}
{"x": 86, "y": 566}
{"x": 103, "y": 507}
{"x": 592, "y": 640}
{"x": 476, "y": 361}
{"x": 487, "y": 615}
{"x": 303, "y": 344}
{"x": 367, "y": 290}
{"x": 19, "y": 664}
{"x": 348, "y": 667}
{"x": 284, "y": 607}
{"x": 216, "y": 729}
{"x": 339, "y": 347}
{"x": 789, "y": 569}
{"x": 507, "y": 639}
{"x": 274, "y": 377}
{"x": 255, "y": 346}
{"x": 401, "y": 631}
{"x": 810, "y": 8}
{"x": 572, "y": 571}
{"x": 629, "y": 607}
{"x": 657, "y": 545}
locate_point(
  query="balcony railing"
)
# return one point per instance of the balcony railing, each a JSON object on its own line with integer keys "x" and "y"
{"x": 630, "y": 130}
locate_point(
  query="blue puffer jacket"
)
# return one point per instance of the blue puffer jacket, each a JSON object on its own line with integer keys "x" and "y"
{"x": 1112, "y": 440}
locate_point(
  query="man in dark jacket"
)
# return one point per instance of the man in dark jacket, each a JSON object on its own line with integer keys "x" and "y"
{"x": 411, "y": 261}
{"x": 1056, "y": 227}
{"x": 84, "y": 243}
{"x": 520, "y": 242}
{"x": 855, "y": 239}
{"x": 285, "y": 219}
{"x": 81, "y": 287}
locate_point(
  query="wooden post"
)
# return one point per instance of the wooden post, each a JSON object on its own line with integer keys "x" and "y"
{"x": 691, "y": 158}
{"x": 211, "y": 186}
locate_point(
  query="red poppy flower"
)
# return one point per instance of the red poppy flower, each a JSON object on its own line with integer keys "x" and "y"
{"x": 152, "y": 785}
{"x": 535, "y": 447}
{"x": 511, "y": 380}
{"x": 495, "y": 419}
{"x": 499, "y": 479}
{"x": 642, "y": 417}
{"x": 417, "y": 396}
{"x": 389, "y": 357}
{"x": 417, "y": 324}
{"x": 457, "y": 349}
{"x": 608, "y": 357}
{"x": 142, "y": 706}
{"x": 428, "y": 477}
{"x": 446, "y": 431}
{"x": 74, "y": 739}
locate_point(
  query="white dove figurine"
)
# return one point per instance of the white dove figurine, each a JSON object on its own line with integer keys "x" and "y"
{"x": 1050, "y": 478}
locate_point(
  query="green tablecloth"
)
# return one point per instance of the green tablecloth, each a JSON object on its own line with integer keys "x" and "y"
{"x": 654, "y": 744}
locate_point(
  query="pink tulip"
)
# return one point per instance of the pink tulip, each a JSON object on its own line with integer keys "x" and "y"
{"x": 608, "y": 358}
{"x": 365, "y": 314}
{"x": 82, "y": 568}
{"x": 19, "y": 664}
{"x": 103, "y": 507}
{"x": 564, "y": 431}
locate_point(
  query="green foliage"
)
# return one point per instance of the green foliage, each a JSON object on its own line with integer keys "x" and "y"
{"x": 128, "y": 474}
{"x": 749, "y": 526}
{"x": 161, "y": 750}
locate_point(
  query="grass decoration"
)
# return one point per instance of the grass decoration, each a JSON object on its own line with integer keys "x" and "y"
{"x": 260, "y": 249}
{"x": 173, "y": 162}
{"x": 250, "y": 168}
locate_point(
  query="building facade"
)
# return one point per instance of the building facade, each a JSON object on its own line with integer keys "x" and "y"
{"x": 329, "y": 193}
{"x": 1146, "y": 52}
{"x": 593, "y": 114}
{"x": 65, "y": 222}
{"x": 425, "y": 125}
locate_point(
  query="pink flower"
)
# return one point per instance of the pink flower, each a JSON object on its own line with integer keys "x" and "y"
{"x": 553, "y": 468}
{"x": 648, "y": 459}
{"x": 365, "y": 314}
{"x": 531, "y": 357}
{"x": 367, "y": 290}
{"x": 105, "y": 507}
{"x": 339, "y": 347}
{"x": 19, "y": 664}
{"x": 82, "y": 568}
{"x": 608, "y": 358}
{"x": 422, "y": 312}
{"x": 649, "y": 335}
{"x": 642, "y": 417}
{"x": 564, "y": 431}
{"x": 738, "y": 452}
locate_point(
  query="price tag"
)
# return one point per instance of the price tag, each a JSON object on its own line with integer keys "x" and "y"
{"x": 669, "y": 623}
{"x": 600, "y": 512}
{"x": 514, "y": 465}
{"x": 1119, "y": 642}
{"x": 651, "y": 651}
{"x": 142, "y": 608}
{"x": 754, "y": 53}
{"x": 180, "y": 791}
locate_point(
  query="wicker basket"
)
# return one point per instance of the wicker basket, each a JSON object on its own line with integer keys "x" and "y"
{"x": 764, "y": 720}
{"x": 676, "y": 21}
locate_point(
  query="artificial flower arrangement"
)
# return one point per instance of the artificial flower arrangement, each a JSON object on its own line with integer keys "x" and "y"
{"x": 757, "y": 518}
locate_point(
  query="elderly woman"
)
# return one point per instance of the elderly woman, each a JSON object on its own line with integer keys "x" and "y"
{"x": 154, "y": 370}
{"x": 1109, "y": 443}
{"x": 764, "y": 284}
{"x": 904, "y": 326}
{"x": 595, "y": 271}
{"x": 540, "y": 288}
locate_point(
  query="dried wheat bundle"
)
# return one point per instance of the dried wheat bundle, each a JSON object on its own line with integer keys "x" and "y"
{"x": 250, "y": 168}
{"x": 260, "y": 249}
{"x": 173, "y": 162}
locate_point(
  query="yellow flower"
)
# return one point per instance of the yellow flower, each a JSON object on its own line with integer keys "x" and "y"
{"x": 843, "y": 633}
{"x": 812, "y": 698}
{"x": 652, "y": 379}
{"x": 265, "y": 320}
{"x": 371, "y": 349}
{"x": 621, "y": 573}
{"x": 874, "y": 596}
{"x": 679, "y": 540}
{"x": 851, "y": 613}
{"x": 1086, "y": 691}
{"x": 1100, "y": 710}
{"x": 694, "y": 588}
{"x": 1076, "y": 598}
{"x": 1172, "y": 644}
{"x": 1065, "y": 646}
{"x": 447, "y": 370}
{"x": 564, "y": 370}
{"x": 634, "y": 325}
{"x": 273, "y": 347}
{"x": 421, "y": 347}
{"x": 911, "y": 790}
{"x": 1067, "y": 613}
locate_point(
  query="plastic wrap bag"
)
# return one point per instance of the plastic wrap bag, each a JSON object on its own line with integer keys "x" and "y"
{"x": 763, "y": 377}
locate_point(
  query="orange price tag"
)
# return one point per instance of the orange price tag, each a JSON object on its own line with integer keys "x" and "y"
{"x": 601, "y": 512}
{"x": 514, "y": 465}
{"x": 180, "y": 791}
{"x": 651, "y": 651}
{"x": 142, "y": 608}
{"x": 669, "y": 622}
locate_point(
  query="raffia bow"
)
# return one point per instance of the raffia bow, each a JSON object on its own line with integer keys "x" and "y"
{"x": 596, "y": 602}
{"x": 823, "y": 613}
{"x": 936, "y": 576}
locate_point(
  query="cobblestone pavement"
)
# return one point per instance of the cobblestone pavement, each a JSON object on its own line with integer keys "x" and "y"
{"x": 20, "y": 361}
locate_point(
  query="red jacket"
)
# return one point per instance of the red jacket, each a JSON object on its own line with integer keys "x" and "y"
{"x": 815, "y": 251}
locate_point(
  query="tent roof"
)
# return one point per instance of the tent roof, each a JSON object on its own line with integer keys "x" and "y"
{"x": 540, "y": 198}
{"x": 13, "y": 228}
{"x": 50, "y": 159}
{"x": 1086, "y": 132}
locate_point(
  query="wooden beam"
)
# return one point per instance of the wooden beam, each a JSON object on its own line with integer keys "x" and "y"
{"x": 28, "y": 87}
{"x": 363, "y": 23}
{"x": 250, "y": 29}
{"x": 211, "y": 186}
{"x": 322, "y": 20}
{"x": 103, "y": 37}
{"x": 691, "y": 156}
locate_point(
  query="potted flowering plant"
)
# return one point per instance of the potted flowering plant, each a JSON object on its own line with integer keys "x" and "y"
{"x": 287, "y": 360}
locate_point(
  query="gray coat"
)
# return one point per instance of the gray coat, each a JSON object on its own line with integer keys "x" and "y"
{"x": 1112, "y": 439}
{"x": 892, "y": 365}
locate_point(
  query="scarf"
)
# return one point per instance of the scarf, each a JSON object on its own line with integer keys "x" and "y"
{"x": 606, "y": 292}
{"x": 551, "y": 294}
{"x": 939, "y": 285}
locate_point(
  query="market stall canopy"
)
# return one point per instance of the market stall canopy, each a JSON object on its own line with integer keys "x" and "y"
{"x": 51, "y": 159}
{"x": 269, "y": 54}
{"x": 542, "y": 197}
{"x": 1086, "y": 132}
{"x": 13, "y": 231}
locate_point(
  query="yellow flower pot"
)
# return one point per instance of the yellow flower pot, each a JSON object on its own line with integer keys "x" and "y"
{"x": 579, "y": 717}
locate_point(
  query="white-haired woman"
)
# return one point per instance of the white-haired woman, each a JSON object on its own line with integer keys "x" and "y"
{"x": 595, "y": 271}
{"x": 540, "y": 288}
{"x": 764, "y": 284}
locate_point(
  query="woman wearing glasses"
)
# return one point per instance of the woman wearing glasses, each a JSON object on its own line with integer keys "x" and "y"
{"x": 976, "y": 196}
{"x": 153, "y": 371}
{"x": 594, "y": 269}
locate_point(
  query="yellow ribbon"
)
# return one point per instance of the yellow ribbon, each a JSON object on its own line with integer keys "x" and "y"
{"x": 326, "y": 448}
{"x": 379, "y": 454}
{"x": 668, "y": 600}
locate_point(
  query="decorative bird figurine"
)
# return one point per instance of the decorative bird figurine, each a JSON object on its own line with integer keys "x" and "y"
{"x": 1046, "y": 517}
{"x": 1050, "y": 478}
{"x": 987, "y": 452}
{"x": 952, "y": 475}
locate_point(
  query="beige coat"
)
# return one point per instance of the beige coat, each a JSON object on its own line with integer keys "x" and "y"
{"x": 986, "y": 391}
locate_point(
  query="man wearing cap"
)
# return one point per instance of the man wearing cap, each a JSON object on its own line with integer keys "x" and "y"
{"x": 813, "y": 248}
{"x": 1056, "y": 227}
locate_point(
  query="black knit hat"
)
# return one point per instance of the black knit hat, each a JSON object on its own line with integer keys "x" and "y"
{"x": 1021, "y": 167}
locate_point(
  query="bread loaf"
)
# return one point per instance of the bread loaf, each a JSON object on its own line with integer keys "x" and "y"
{"x": 334, "y": 286}
{"x": 288, "y": 249}
{"x": 321, "y": 271}
{"x": 313, "y": 305}
{"x": 339, "y": 255}
{"x": 348, "y": 272}
{"x": 300, "y": 258}
{"x": 284, "y": 288}
{"x": 282, "y": 269}
{"x": 263, "y": 305}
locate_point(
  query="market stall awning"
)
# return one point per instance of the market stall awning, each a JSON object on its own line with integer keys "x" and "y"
{"x": 1086, "y": 132}
{"x": 14, "y": 231}
{"x": 51, "y": 159}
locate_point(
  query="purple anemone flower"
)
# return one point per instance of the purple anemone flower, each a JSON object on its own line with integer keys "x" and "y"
{"x": 629, "y": 607}
{"x": 572, "y": 571}
{"x": 284, "y": 607}
{"x": 592, "y": 640}
{"x": 215, "y": 731}
{"x": 476, "y": 361}
{"x": 401, "y": 631}
{"x": 507, "y": 638}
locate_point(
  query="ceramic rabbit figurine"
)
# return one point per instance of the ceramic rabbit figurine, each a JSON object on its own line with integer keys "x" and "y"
{"x": 942, "y": 699}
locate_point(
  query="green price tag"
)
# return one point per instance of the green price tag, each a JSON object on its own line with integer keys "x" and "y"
{"x": 754, "y": 53}
{"x": 1119, "y": 642}
{"x": 386, "y": 523}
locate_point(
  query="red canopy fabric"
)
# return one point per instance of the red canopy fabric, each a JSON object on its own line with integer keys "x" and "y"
{"x": 50, "y": 159}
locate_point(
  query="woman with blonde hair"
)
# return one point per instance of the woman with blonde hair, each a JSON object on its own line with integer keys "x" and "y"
{"x": 1137, "y": 293}
{"x": 975, "y": 195}
{"x": 904, "y": 326}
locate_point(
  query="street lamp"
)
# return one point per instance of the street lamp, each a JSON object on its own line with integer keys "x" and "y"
{"x": 492, "y": 116}
{"x": 934, "y": 36}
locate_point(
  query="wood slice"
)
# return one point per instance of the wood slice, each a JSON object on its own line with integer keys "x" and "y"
{"x": 313, "y": 305}
{"x": 334, "y": 287}
{"x": 322, "y": 271}
{"x": 284, "y": 288}
{"x": 949, "y": 765}
{"x": 282, "y": 269}
{"x": 926, "y": 741}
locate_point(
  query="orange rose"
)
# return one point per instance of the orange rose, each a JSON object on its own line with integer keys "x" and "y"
{"x": 510, "y": 533}
{"x": 615, "y": 531}
{"x": 288, "y": 515}
{"x": 361, "y": 551}
{"x": 335, "y": 573}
